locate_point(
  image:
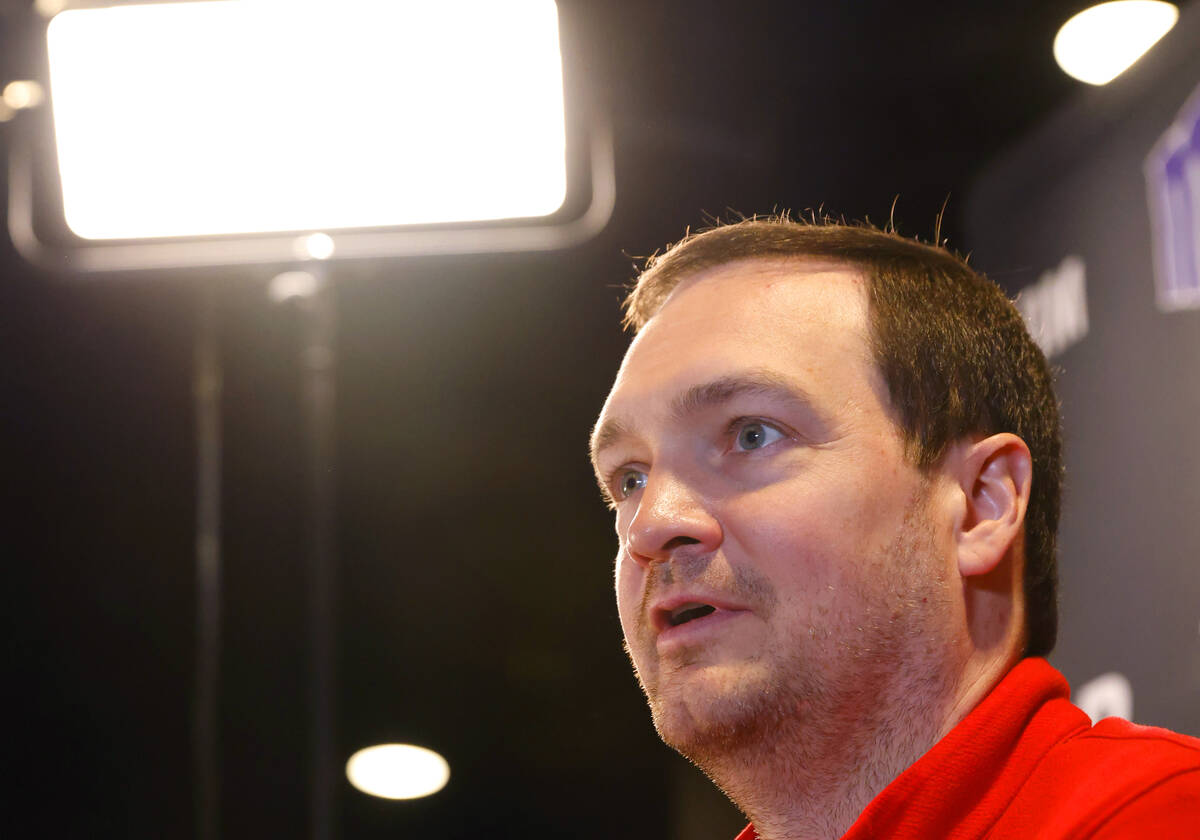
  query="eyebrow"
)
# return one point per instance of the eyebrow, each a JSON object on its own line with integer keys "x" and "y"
{"x": 706, "y": 395}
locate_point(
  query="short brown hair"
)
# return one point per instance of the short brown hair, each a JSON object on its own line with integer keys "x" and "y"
{"x": 952, "y": 349}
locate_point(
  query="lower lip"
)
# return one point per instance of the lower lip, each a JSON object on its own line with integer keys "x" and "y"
{"x": 697, "y": 631}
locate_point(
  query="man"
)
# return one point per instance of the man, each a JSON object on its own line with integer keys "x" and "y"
{"x": 834, "y": 459}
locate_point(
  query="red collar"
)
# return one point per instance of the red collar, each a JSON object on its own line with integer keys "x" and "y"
{"x": 963, "y": 784}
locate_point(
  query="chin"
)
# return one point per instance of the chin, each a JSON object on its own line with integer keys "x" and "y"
{"x": 714, "y": 708}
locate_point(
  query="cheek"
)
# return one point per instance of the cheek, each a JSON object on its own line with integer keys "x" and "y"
{"x": 792, "y": 520}
{"x": 831, "y": 508}
{"x": 808, "y": 542}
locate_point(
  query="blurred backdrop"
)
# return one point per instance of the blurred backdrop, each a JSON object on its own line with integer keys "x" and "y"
{"x": 473, "y": 604}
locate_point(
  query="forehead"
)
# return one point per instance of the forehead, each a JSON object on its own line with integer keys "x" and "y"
{"x": 794, "y": 320}
{"x": 781, "y": 311}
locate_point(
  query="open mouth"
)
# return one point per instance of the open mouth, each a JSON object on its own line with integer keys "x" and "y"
{"x": 689, "y": 612}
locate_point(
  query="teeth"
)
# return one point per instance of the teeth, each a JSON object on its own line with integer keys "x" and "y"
{"x": 686, "y": 612}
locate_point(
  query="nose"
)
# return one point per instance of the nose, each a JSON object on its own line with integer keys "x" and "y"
{"x": 670, "y": 516}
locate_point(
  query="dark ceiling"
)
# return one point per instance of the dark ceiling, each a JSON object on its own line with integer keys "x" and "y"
{"x": 473, "y": 595}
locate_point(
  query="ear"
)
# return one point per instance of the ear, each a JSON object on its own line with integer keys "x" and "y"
{"x": 994, "y": 475}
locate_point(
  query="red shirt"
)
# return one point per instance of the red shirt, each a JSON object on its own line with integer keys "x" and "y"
{"x": 1025, "y": 764}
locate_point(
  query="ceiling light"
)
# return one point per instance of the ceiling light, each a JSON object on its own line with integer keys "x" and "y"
{"x": 22, "y": 94}
{"x": 316, "y": 246}
{"x": 397, "y": 771}
{"x": 1100, "y": 43}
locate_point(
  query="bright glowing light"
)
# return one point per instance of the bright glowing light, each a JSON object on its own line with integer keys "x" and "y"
{"x": 292, "y": 284}
{"x": 23, "y": 94}
{"x": 1100, "y": 43}
{"x": 316, "y": 246}
{"x": 201, "y": 118}
{"x": 397, "y": 771}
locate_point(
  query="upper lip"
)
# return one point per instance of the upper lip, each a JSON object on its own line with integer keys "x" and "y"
{"x": 661, "y": 609}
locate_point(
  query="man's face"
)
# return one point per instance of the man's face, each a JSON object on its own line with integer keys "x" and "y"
{"x": 780, "y": 559}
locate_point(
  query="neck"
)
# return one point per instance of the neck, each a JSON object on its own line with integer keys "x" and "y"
{"x": 795, "y": 783}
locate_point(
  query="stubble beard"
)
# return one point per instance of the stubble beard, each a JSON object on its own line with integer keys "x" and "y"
{"x": 719, "y": 716}
{"x": 717, "y": 705}
{"x": 823, "y": 707}
{"x": 719, "y": 710}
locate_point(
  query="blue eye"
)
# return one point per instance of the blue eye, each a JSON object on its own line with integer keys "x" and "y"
{"x": 630, "y": 482}
{"x": 756, "y": 436}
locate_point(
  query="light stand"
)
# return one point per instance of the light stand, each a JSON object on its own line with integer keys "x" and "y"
{"x": 318, "y": 360}
{"x": 487, "y": 75}
{"x": 206, "y": 712}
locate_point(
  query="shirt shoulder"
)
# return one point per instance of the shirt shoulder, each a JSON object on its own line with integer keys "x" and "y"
{"x": 1170, "y": 810}
{"x": 1110, "y": 782}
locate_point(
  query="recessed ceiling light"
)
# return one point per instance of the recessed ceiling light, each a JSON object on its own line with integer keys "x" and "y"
{"x": 397, "y": 771}
{"x": 1100, "y": 43}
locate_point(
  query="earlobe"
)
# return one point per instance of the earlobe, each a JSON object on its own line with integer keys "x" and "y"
{"x": 994, "y": 476}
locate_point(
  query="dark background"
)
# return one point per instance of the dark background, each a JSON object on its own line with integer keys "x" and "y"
{"x": 474, "y": 604}
{"x": 1129, "y": 542}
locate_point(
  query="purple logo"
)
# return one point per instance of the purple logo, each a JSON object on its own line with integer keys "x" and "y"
{"x": 1173, "y": 188}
